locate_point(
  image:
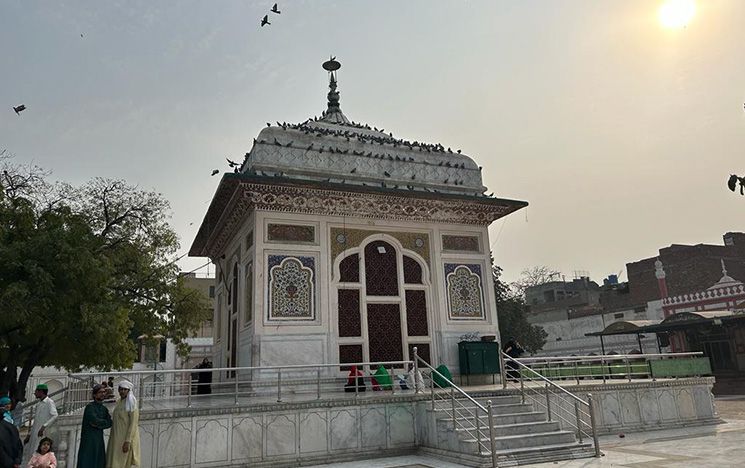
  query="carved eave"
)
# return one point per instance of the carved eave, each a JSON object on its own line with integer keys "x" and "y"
{"x": 238, "y": 194}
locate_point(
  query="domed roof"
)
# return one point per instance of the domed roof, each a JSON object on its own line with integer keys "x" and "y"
{"x": 336, "y": 150}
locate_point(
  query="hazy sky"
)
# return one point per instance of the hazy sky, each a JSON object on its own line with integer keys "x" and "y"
{"x": 619, "y": 132}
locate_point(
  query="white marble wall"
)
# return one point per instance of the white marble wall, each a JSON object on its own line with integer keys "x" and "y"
{"x": 264, "y": 438}
{"x": 643, "y": 406}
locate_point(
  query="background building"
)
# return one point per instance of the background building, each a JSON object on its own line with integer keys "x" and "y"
{"x": 681, "y": 278}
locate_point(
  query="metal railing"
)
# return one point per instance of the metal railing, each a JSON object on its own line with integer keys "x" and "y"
{"x": 466, "y": 413}
{"x": 183, "y": 388}
{"x": 560, "y": 404}
{"x": 623, "y": 366}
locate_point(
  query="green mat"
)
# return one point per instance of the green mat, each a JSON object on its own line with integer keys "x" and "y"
{"x": 384, "y": 378}
{"x": 445, "y": 372}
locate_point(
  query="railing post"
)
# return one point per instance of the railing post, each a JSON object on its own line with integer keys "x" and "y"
{"x": 188, "y": 394}
{"x": 416, "y": 370}
{"x": 603, "y": 368}
{"x": 318, "y": 383}
{"x": 502, "y": 371}
{"x": 522, "y": 387}
{"x": 579, "y": 421}
{"x": 235, "y": 373}
{"x": 142, "y": 392}
{"x": 628, "y": 369}
{"x": 64, "y": 397}
{"x": 591, "y": 403}
{"x": 576, "y": 371}
{"x": 279, "y": 385}
{"x": 548, "y": 403}
{"x": 452, "y": 400}
{"x": 492, "y": 441}
{"x": 478, "y": 429}
{"x": 356, "y": 386}
{"x": 432, "y": 389}
{"x": 393, "y": 381}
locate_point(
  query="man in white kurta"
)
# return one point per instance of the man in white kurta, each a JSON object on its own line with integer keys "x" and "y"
{"x": 123, "y": 450}
{"x": 45, "y": 414}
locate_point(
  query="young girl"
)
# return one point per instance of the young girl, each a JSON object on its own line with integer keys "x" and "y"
{"x": 44, "y": 457}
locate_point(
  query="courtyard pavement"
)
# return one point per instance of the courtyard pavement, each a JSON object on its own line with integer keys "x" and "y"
{"x": 721, "y": 445}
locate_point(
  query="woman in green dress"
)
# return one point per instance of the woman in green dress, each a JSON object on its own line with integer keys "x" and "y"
{"x": 92, "y": 451}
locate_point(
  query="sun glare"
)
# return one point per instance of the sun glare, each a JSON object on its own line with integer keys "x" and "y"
{"x": 677, "y": 13}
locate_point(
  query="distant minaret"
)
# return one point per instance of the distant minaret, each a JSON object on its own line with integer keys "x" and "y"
{"x": 659, "y": 272}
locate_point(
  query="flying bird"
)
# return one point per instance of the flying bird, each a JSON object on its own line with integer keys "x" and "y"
{"x": 232, "y": 163}
{"x": 215, "y": 172}
{"x": 19, "y": 109}
{"x": 732, "y": 183}
{"x": 275, "y": 10}
{"x": 265, "y": 21}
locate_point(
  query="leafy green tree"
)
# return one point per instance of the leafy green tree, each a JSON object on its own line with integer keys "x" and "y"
{"x": 512, "y": 313}
{"x": 80, "y": 269}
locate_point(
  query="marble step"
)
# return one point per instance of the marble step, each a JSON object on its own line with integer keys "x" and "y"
{"x": 507, "y": 418}
{"x": 509, "y": 408}
{"x": 515, "y": 429}
{"x": 495, "y": 400}
{"x": 519, "y": 441}
{"x": 544, "y": 454}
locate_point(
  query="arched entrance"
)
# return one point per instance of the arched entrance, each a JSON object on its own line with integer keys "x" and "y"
{"x": 383, "y": 293}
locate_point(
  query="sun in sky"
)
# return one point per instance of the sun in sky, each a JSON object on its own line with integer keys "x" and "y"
{"x": 677, "y": 13}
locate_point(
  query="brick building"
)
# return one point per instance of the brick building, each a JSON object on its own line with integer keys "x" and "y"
{"x": 680, "y": 279}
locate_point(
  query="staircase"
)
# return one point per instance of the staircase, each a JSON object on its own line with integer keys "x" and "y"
{"x": 522, "y": 434}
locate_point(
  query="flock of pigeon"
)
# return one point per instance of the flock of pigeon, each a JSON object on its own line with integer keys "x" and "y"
{"x": 265, "y": 19}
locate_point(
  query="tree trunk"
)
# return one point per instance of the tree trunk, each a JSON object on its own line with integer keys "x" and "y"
{"x": 8, "y": 375}
{"x": 23, "y": 377}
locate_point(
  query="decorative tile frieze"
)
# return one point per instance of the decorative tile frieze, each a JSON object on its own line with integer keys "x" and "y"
{"x": 461, "y": 243}
{"x": 464, "y": 291}
{"x": 347, "y": 238}
{"x": 236, "y": 199}
{"x": 291, "y": 287}
{"x": 298, "y": 233}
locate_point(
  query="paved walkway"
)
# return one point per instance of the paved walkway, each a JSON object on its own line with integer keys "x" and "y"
{"x": 722, "y": 445}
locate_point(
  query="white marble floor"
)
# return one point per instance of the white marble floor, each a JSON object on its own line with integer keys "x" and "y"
{"x": 720, "y": 446}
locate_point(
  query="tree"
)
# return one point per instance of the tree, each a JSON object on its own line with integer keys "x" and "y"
{"x": 533, "y": 277}
{"x": 80, "y": 269}
{"x": 512, "y": 312}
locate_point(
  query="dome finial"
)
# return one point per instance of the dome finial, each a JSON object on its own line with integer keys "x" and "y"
{"x": 333, "y": 112}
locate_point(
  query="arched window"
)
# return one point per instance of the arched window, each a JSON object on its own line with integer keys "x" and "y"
{"x": 381, "y": 271}
{"x": 412, "y": 271}
{"x": 349, "y": 269}
{"x": 382, "y": 305}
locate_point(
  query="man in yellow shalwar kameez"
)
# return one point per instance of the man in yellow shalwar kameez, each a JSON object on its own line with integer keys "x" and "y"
{"x": 124, "y": 441}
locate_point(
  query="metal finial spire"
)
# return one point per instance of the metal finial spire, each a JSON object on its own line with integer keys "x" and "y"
{"x": 333, "y": 112}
